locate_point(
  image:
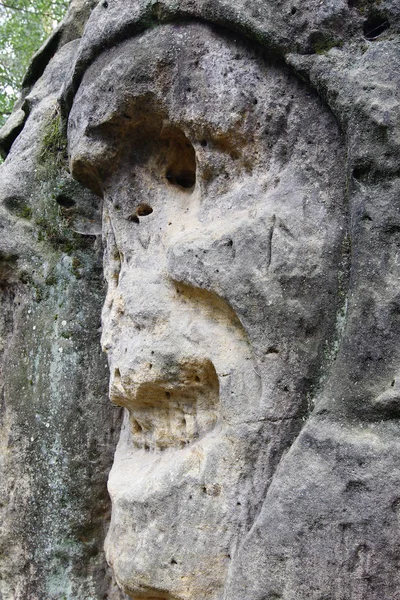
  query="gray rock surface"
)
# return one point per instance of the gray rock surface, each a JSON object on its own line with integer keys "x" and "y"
{"x": 57, "y": 429}
{"x": 224, "y": 221}
{"x": 247, "y": 157}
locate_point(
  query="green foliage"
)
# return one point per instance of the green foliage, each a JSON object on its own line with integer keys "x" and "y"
{"x": 24, "y": 25}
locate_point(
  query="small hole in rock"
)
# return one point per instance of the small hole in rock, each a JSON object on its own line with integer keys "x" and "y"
{"x": 203, "y": 143}
{"x": 173, "y": 562}
{"x": 393, "y": 383}
{"x": 133, "y": 218}
{"x": 143, "y": 210}
{"x": 167, "y": 394}
{"x": 361, "y": 173}
{"x": 105, "y": 4}
{"x": 272, "y": 350}
{"x": 293, "y": 11}
{"x": 374, "y": 26}
{"x": 65, "y": 201}
{"x": 117, "y": 374}
{"x": 197, "y": 378}
{"x": 255, "y": 101}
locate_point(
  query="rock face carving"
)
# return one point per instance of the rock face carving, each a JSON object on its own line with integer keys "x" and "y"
{"x": 225, "y": 227}
{"x": 252, "y": 317}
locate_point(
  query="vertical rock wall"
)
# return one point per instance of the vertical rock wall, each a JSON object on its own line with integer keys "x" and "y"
{"x": 288, "y": 488}
{"x": 57, "y": 429}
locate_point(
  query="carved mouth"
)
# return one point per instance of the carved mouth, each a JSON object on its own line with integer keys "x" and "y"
{"x": 170, "y": 412}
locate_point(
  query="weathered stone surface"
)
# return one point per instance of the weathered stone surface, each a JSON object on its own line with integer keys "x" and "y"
{"x": 57, "y": 430}
{"x": 225, "y": 223}
{"x": 250, "y": 219}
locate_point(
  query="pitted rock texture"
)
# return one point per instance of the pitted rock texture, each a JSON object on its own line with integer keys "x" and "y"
{"x": 250, "y": 217}
{"x": 57, "y": 430}
{"x": 225, "y": 227}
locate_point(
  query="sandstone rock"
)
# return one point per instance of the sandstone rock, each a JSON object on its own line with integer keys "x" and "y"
{"x": 246, "y": 157}
{"x": 57, "y": 432}
{"x": 223, "y": 294}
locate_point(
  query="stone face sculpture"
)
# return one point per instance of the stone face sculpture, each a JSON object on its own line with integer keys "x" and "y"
{"x": 225, "y": 223}
{"x": 246, "y": 155}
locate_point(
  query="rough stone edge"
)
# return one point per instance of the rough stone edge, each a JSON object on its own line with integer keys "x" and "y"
{"x": 70, "y": 28}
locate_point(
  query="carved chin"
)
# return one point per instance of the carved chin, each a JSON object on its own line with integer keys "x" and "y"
{"x": 173, "y": 525}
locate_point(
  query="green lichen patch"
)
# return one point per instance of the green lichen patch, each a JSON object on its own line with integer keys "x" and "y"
{"x": 322, "y": 44}
{"x": 25, "y": 213}
{"x": 54, "y": 209}
{"x": 18, "y": 206}
{"x": 54, "y": 230}
{"x": 54, "y": 142}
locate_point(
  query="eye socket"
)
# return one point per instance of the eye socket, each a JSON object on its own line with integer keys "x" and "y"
{"x": 184, "y": 178}
{"x": 181, "y": 161}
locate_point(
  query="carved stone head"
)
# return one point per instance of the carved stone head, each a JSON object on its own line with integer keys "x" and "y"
{"x": 224, "y": 223}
